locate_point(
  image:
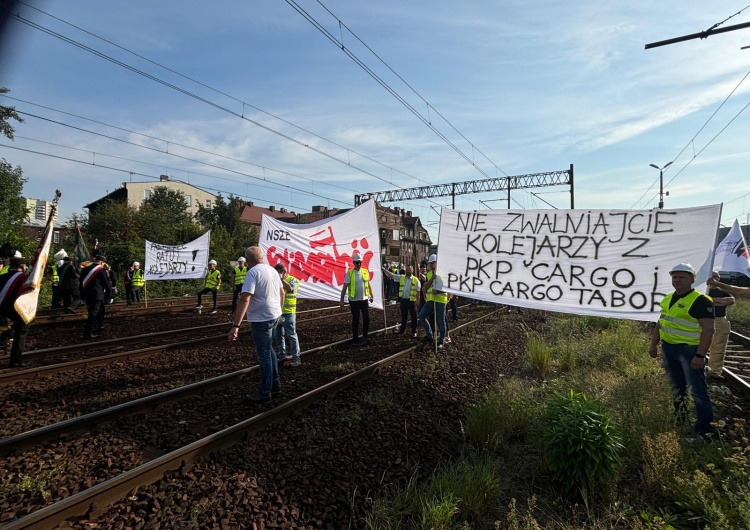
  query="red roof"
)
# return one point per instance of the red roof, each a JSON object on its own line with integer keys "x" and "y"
{"x": 253, "y": 215}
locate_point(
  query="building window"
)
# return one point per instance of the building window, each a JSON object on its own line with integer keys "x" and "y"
{"x": 188, "y": 200}
{"x": 55, "y": 236}
{"x": 208, "y": 203}
{"x": 146, "y": 195}
{"x": 396, "y": 235}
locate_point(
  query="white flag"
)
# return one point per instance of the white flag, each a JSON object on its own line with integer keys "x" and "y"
{"x": 731, "y": 254}
{"x": 177, "y": 262}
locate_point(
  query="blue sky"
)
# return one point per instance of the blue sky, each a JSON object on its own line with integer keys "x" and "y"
{"x": 533, "y": 87}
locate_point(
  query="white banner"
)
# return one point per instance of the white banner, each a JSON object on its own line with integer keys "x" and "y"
{"x": 320, "y": 253}
{"x": 610, "y": 263}
{"x": 731, "y": 254}
{"x": 177, "y": 262}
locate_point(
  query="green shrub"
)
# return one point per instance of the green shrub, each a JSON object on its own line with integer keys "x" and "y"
{"x": 581, "y": 444}
{"x": 538, "y": 354}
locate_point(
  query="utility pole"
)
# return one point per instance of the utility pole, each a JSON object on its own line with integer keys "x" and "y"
{"x": 661, "y": 182}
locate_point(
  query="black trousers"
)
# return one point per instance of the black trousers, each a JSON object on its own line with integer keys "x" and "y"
{"x": 20, "y": 330}
{"x": 408, "y": 308}
{"x": 129, "y": 293}
{"x": 56, "y": 296}
{"x": 71, "y": 298}
{"x": 136, "y": 294}
{"x": 236, "y": 296}
{"x": 96, "y": 316}
{"x": 207, "y": 290}
{"x": 356, "y": 308}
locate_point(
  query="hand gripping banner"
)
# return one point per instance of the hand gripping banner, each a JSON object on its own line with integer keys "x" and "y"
{"x": 319, "y": 254}
{"x": 177, "y": 262}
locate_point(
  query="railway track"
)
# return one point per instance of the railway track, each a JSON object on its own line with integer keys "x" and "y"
{"x": 96, "y": 498}
{"x": 216, "y": 332}
{"x": 737, "y": 362}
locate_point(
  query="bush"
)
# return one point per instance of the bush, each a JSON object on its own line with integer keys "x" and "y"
{"x": 538, "y": 354}
{"x": 581, "y": 444}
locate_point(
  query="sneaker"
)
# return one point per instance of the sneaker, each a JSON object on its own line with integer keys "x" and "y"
{"x": 415, "y": 334}
{"x": 440, "y": 346}
{"x": 20, "y": 364}
{"x": 257, "y": 398}
{"x": 198, "y": 307}
{"x": 213, "y": 312}
{"x": 398, "y": 332}
{"x": 295, "y": 362}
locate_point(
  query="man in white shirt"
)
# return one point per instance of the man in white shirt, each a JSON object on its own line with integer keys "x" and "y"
{"x": 409, "y": 288}
{"x": 261, "y": 301}
{"x": 357, "y": 287}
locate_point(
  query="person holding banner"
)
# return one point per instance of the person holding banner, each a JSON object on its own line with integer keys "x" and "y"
{"x": 261, "y": 302}
{"x": 239, "y": 278}
{"x": 11, "y": 284}
{"x": 139, "y": 282}
{"x": 731, "y": 289}
{"x": 357, "y": 288}
{"x": 722, "y": 328}
{"x": 436, "y": 302}
{"x": 288, "y": 325}
{"x": 213, "y": 282}
{"x": 408, "y": 287}
{"x": 97, "y": 290}
{"x": 685, "y": 328}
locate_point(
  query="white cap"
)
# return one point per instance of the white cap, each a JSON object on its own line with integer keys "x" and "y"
{"x": 357, "y": 257}
{"x": 59, "y": 263}
{"x": 61, "y": 254}
{"x": 136, "y": 264}
{"x": 683, "y": 267}
{"x": 212, "y": 262}
{"x": 241, "y": 258}
{"x": 432, "y": 258}
{"x": 17, "y": 254}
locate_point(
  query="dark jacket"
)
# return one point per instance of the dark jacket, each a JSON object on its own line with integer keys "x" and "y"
{"x": 95, "y": 284}
{"x": 9, "y": 297}
{"x": 68, "y": 277}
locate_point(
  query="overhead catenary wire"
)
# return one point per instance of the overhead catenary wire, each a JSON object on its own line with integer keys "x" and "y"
{"x": 188, "y": 93}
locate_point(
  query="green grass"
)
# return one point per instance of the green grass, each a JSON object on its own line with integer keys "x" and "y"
{"x": 661, "y": 482}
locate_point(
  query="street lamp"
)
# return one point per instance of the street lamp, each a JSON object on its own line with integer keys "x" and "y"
{"x": 661, "y": 182}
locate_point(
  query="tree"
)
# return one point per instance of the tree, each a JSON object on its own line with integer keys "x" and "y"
{"x": 13, "y": 210}
{"x": 7, "y": 113}
{"x": 165, "y": 217}
{"x": 227, "y": 214}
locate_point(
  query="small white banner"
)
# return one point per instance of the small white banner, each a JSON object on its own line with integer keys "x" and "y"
{"x": 319, "y": 254}
{"x": 177, "y": 262}
{"x": 732, "y": 254}
{"x": 609, "y": 263}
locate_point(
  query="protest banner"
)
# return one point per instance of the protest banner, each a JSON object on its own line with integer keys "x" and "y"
{"x": 319, "y": 254}
{"x": 177, "y": 262}
{"x": 732, "y": 254}
{"x": 609, "y": 263}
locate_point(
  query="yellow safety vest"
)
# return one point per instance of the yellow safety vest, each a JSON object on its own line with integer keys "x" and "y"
{"x": 212, "y": 279}
{"x": 4, "y": 269}
{"x": 413, "y": 293}
{"x": 676, "y": 326}
{"x": 239, "y": 275}
{"x": 137, "y": 279}
{"x": 365, "y": 279}
{"x": 55, "y": 276}
{"x": 440, "y": 298}
{"x": 290, "y": 299}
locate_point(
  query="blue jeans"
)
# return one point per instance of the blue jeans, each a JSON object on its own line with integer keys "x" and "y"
{"x": 267, "y": 362}
{"x": 207, "y": 290}
{"x": 677, "y": 359}
{"x": 425, "y": 316}
{"x": 287, "y": 327}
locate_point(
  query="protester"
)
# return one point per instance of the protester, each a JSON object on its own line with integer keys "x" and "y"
{"x": 731, "y": 289}
{"x": 55, "y": 277}
{"x": 139, "y": 281}
{"x": 11, "y": 284}
{"x": 422, "y": 276}
{"x": 97, "y": 290}
{"x": 288, "y": 325}
{"x": 213, "y": 282}
{"x": 685, "y": 328}
{"x": 436, "y": 301}
{"x": 239, "y": 279}
{"x": 261, "y": 301}
{"x": 408, "y": 287}
{"x": 357, "y": 288}
{"x": 69, "y": 286}
{"x": 722, "y": 327}
{"x": 128, "y": 282}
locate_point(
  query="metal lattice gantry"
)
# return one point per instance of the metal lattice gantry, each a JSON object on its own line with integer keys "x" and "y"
{"x": 517, "y": 182}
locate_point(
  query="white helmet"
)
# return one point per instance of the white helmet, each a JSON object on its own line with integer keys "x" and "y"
{"x": 212, "y": 262}
{"x": 432, "y": 258}
{"x": 683, "y": 267}
{"x": 242, "y": 258}
{"x": 61, "y": 254}
{"x": 136, "y": 264}
{"x": 357, "y": 257}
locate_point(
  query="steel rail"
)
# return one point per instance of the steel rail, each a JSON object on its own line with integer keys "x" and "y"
{"x": 95, "y": 500}
{"x": 91, "y": 347}
{"x": 738, "y": 347}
